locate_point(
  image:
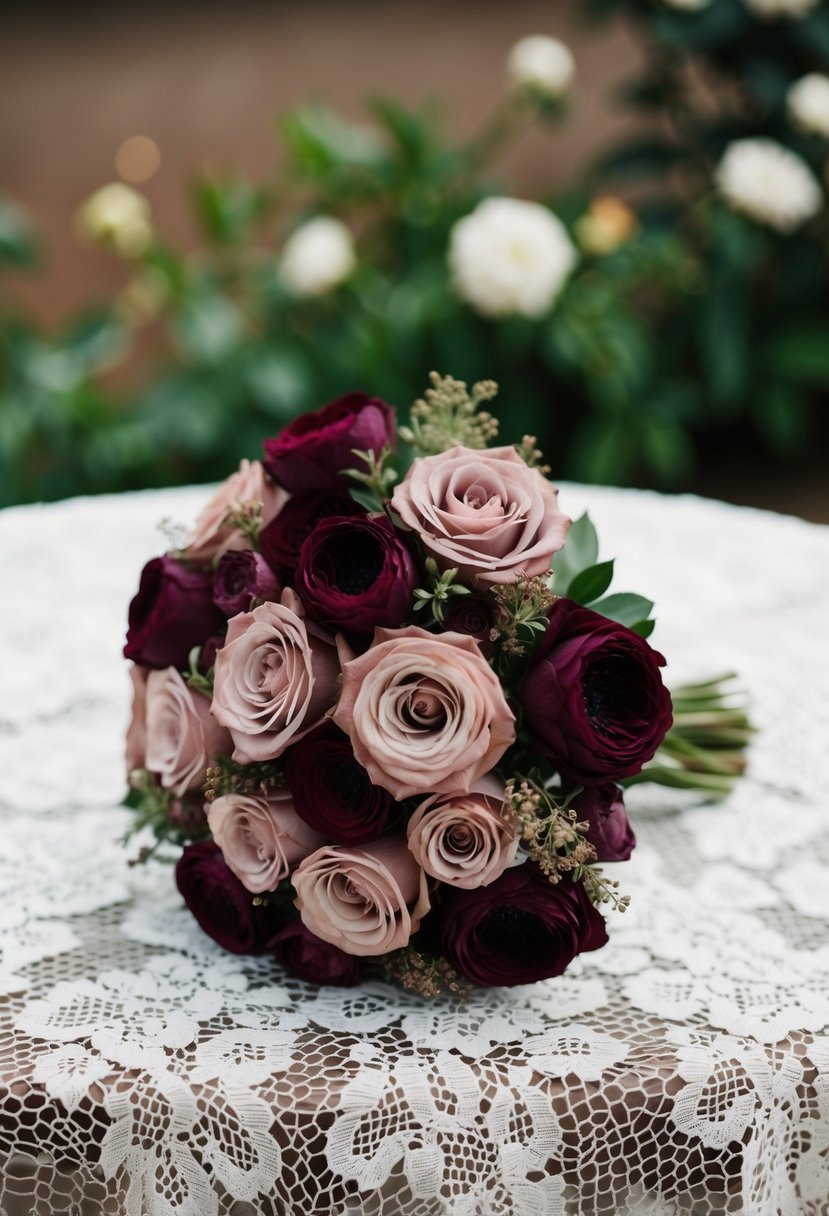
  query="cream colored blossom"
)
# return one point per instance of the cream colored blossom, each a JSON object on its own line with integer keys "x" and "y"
{"x": 542, "y": 64}
{"x": 808, "y": 102}
{"x": 769, "y": 183}
{"x": 317, "y": 256}
{"x": 119, "y": 217}
{"x": 769, "y": 10}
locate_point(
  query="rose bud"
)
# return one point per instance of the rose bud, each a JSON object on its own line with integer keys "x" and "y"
{"x": 594, "y": 698}
{"x": 284, "y": 536}
{"x": 473, "y": 615}
{"x": 313, "y": 451}
{"x": 213, "y": 535}
{"x": 520, "y": 929}
{"x": 241, "y": 576}
{"x": 610, "y": 833}
{"x": 332, "y": 792}
{"x": 221, "y": 905}
{"x": 172, "y": 612}
{"x": 464, "y": 839}
{"x": 308, "y": 957}
{"x": 356, "y": 574}
{"x": 183, "y": 737}
{"x": 262, "y": 839}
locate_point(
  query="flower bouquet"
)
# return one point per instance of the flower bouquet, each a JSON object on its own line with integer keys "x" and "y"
{"x": 386, "y": 719}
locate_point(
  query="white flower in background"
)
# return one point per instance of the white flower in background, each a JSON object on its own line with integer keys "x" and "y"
{"x": 768, "y": 183}
{"x": 119, "y": 217}
{"x": 769, "y": 10}
{"x": 687, "y": 6}
{"x": 510, "y": 256}
{"x": 317, "y": 256}
{"x": 542, "y": 64}
{"x": 808, "y": 102}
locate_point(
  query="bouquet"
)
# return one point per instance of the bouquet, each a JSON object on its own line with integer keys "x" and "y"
{"x": 385, "y": 721}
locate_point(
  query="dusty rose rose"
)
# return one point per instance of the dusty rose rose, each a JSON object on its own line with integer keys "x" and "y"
{"x": 261, "y": 839}
{"x": 183, "y": 737}
{"x": 424, "y": 712}
{"x": 366, "y": 901}
{"x": 211, "y": 536}
{"x": 136, "y": 748}
{"x": 463, "y": 839}
{"x": 272, "y": 681}
{"x": 487, "y": 513}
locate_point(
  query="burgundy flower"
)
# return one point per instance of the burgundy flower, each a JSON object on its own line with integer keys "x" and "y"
{"x": 219, "y": 902}
{"x": 172, "y": 612}
{"x": 308, "y": 957}
{"x": 472, "y": 614}
{"x": 312, "y": 452}
{"x": 594, "y": 698}
{"x": 241, "y": 576}
{"x": 519, "y": 929}
{"x": 610, "y": 833}
{"x": 282, "y": 539}
{"x": 207, "y": 657}
{"x": 332, "y": 792}
{"x": 356, "y": 574}
{"x": 186, "y": 815}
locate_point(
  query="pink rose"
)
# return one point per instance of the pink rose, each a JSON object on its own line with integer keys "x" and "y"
{"x": 487, "y": 513}
{"x": 425, "y": 712}
{"x": 261, "y": 838}
{"x": 183, "y": 737}
{"x": 366, "y": 901}
{"x": 212, "y": 537}
{"x": 463, "y": 839}
{"x": 136, "y": 746}
{"x": 272, "y": 681}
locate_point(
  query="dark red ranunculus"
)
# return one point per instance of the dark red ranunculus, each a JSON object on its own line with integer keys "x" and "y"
{"x": 594, "y": 698}
{"x": 308, "y": 957}
{"x": 241, "y": 576}
{"x": 520, "y": 929}
{"x": 313, "y": 451}
{"x": 332, "y": 792}
{"x": 219, "y": 902}
{"x": 172, "y": 612}
{"x": 207, "y": 655}
{"x": 610, "y": 833}
{"x": 356, "y": 573}
{"x": 281, "y": 540}
{"x": 472, "y": 614}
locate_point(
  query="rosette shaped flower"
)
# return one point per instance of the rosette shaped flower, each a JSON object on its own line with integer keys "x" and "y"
{"x": 355, "y": 574}
{"x": 594, "y": 698}
{"x": 518, "y": 930}
{"x": 183, "y": 737}
{"x": 172, "y": 612}
{"x": 219, "y": 902}
{"x": 213, "y": 535}
{"x": 366, "y": 901}
{"x": 241, "y": 576}
{"x": 313, "y": 451}
{"x": 464, "y": 840}
{"x": 602, "y": 807}
{"x": 261, "y": 839}
{"x": 485, "y": 512}
{"x": 273, "y": 680}
{"x": 281, "y": 541}
{"x": 308, "y": 957}
{"x": 332, "y": 792}
{"x": 425, "y": 712}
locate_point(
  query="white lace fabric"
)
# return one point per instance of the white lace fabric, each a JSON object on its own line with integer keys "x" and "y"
{"x": 682, "y": 1069}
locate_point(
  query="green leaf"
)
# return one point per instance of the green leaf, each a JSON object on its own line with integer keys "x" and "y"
{"x": 624, "y": 607}
{"x": 18, "y": 243}
{"x": 802, "y": 355}
{"x": 227, "y": 209}
{"x": 208, "y": 327}
{"x": 579, "y": 553}
{"x": 365, "y": 499}
{"x": 644, "y": 628}
{"x": 591, "y": 583}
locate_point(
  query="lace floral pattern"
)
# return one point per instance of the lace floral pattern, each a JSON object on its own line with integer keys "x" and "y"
{"x": 684, "y": 1069}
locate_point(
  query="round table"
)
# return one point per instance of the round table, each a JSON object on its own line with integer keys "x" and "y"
{"x": 682, "y": 1069}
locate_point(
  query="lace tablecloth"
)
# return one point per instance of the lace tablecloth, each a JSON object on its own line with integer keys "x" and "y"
{"x": 682, "y": 1069}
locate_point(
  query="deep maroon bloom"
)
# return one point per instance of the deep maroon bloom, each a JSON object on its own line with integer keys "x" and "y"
{"x": 332, "y": 792}
{"x": 610, "y": 833}
{"x": 241, "y": 576}
{"x": 186, "y": 815}
{"x": 172, "y": 612}
{"x": 281, "y": 540}
{"x": 356, "y": 573}
{"x": 472, "y": 614}
{"x": 520, "y": 929}
{"x": 308, "y": 957}
{"x": 219, "y": 902}
{"x": 594, "y": 698}
{"x": 312, "y": 452}
{"x": 207, "y": 656}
